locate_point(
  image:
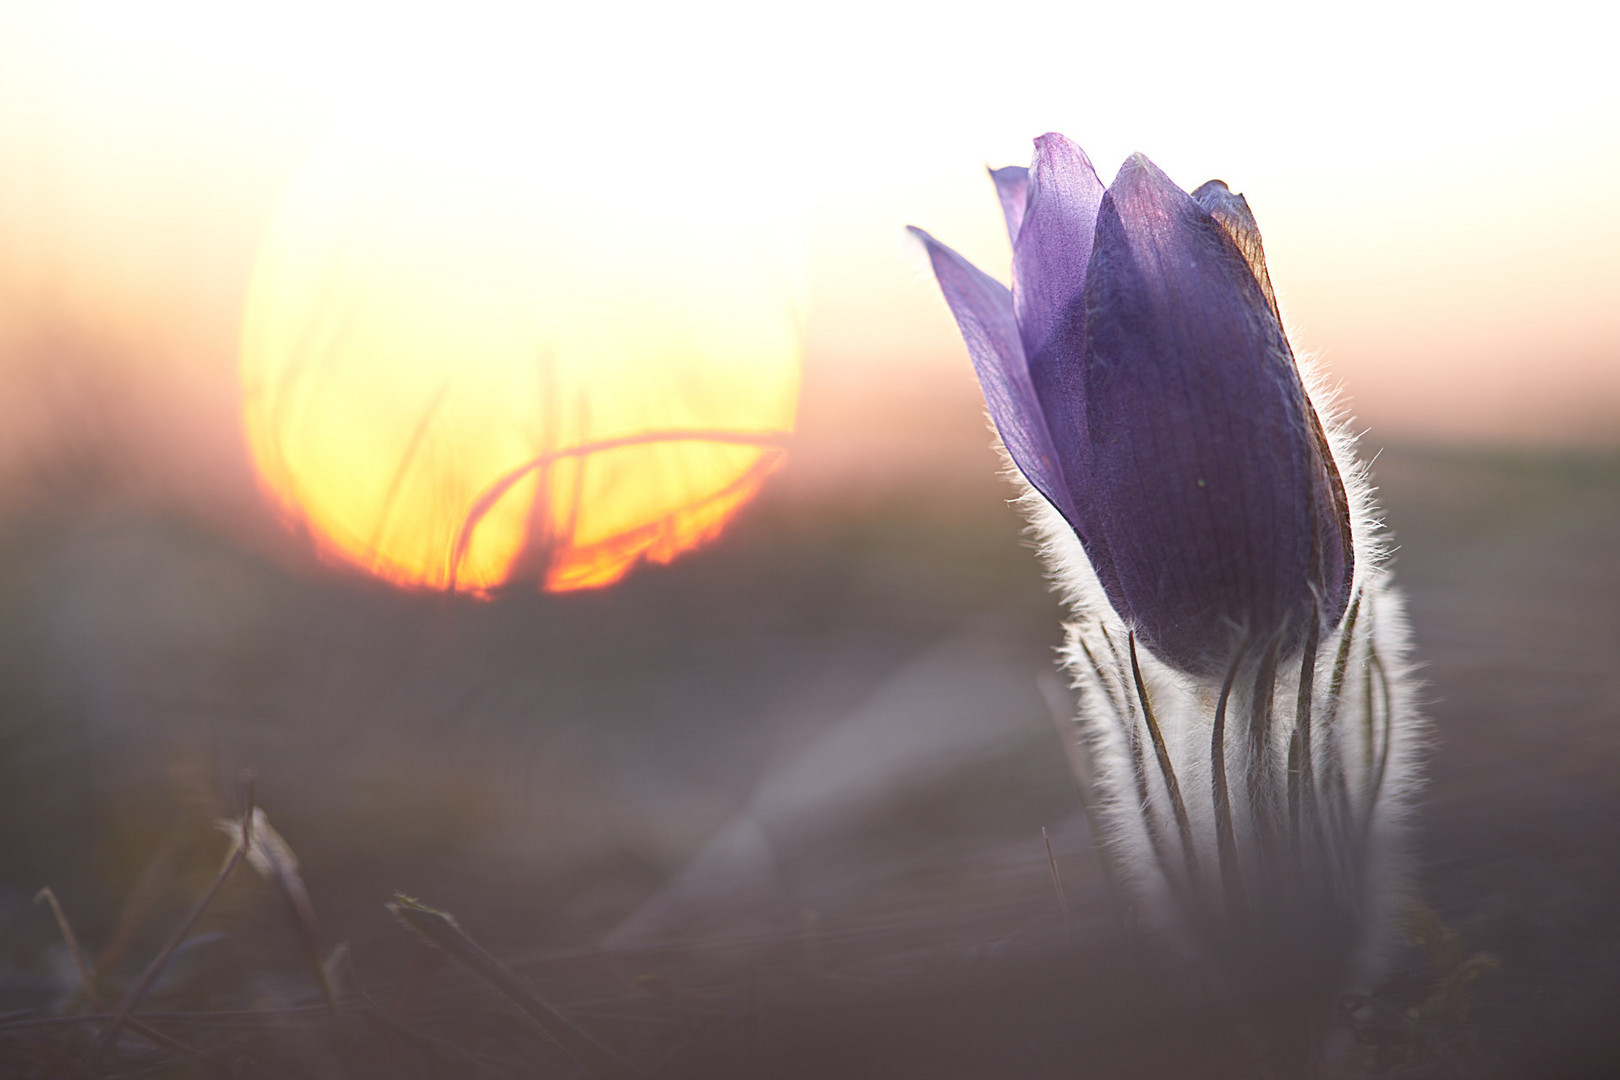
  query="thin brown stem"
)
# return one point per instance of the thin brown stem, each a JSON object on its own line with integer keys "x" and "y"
{"x": 486, "y": 500}
{"x": 1376, "y": 665}
{"x": 87, "y": 976}
{"x": 1080, "y": 764}
{"x": 1133, "y": 741}
{"x": 1225, "y": 840}
{"x": 1301, "y": 764}
{"x": 1166, "y": 769}
{"x": 142, "y": 899}
{"x": 1057, "y": 883}
{"x": 436, "y": 1049}
{"x": 1115, "y": 699}
{"x": 1262, "y": 784}
{"x": 109, "y": 1033}
{"x": 1335, "y": 781}
{"x": 1375, "y": 779}
{"x": 442, "y": 931}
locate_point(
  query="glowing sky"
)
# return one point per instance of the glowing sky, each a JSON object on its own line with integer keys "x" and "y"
{"x": 1435, "y": 182}
{"x": 468, "y": 359}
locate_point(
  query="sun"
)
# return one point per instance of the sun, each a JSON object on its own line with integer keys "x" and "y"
{"x": 482, "y": 346}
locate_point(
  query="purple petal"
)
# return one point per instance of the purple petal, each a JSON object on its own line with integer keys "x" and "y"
{"x": 1054, "y": 240}
{"x": 984, "y": 313}
{"x": 1012, "y": 188}
{"x": 1207, "y": 488}
{"x": 1231, "y": 212}
{"x": 1050, "y": 256}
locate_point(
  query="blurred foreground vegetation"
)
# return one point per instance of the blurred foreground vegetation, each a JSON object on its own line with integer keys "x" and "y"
{"x": 775, "y": 809}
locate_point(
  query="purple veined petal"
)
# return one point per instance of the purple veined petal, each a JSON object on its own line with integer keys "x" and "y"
{"x": 1053, "y": 246}
{"x": 1206, "y": 485}
{"x": 1012, "y": 188}
{"x": 984, "y": 313}
{"x": 1050, "y": 256}
{"x": 1231, "y": 212}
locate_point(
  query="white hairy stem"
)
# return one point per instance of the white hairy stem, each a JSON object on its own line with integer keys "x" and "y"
{"x": 1300, "y": 857}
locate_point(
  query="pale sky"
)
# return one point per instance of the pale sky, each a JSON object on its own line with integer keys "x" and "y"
{"x": 1435, "y": 183}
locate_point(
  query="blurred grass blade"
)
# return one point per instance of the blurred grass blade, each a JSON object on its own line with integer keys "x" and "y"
{"x": 87, "y": 976}
{"x": 161, "y": 961}
{"x": 421, "y": 966}
{"x": 88, "y": 980}
{"x": 273, "y": 858}
{"x": 1057, "y": 884}
{"x": 149, "y": 887}
{"x": 440, "y": 929}
{"x": 436, "y": 1049}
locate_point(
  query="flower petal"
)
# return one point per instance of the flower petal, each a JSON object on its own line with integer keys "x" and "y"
{"x": 1231, "y": 212}
{"x": 1053, "y": 244}
{"x": 1012, "y": 188}
{"x": 1206, "y": 484}
{"x": 984, "y": 313}
{"x": 1050, "y": 255}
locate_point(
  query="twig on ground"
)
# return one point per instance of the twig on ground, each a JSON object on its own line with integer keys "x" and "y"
{"x": 277, "y": 864}
{"x": 433, "y": 1047}
{"x": 1062, "y": 712}
{"x": 87, "y": 976}
{"x": 440, "y": 929}
{"x": 140, "y": 903}
{"x": 88, "y": 980}
{"x": 1057, "y": 883}
{"x": 161, "y": 961}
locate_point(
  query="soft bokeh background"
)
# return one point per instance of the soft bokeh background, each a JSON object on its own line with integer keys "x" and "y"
{"x": 837, "y": 714}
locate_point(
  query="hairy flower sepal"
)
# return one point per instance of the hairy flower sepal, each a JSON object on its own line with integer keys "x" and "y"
{"x": 1140, "y": 379}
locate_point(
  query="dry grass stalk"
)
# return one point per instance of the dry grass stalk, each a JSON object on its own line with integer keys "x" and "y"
{"x": 1057, "y": 883}
{"x": 273, "y": 858}
{"x": 87, "y": 978}
{"x": 441, "y": 930}
{"x": 142, "y": 899}
{"x": 238, "y": 851}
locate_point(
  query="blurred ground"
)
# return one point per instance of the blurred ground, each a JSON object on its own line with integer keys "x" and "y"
{"x": 815, "y": 755}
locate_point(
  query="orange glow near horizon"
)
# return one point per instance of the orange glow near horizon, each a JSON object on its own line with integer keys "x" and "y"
{"x": 467, "y": 363}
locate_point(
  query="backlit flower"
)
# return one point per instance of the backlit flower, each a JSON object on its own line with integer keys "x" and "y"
{"x": 1138, "y": 374}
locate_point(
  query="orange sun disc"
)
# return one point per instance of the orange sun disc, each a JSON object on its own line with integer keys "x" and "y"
{"x": 476, "y": 352}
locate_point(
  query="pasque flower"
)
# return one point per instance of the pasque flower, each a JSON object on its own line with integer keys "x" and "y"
{"x": 1139, "y": 376}
{"x": 1189, "y": 498}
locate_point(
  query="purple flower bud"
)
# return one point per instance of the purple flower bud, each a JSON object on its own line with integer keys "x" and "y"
{"x": 1138, "y": 374}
